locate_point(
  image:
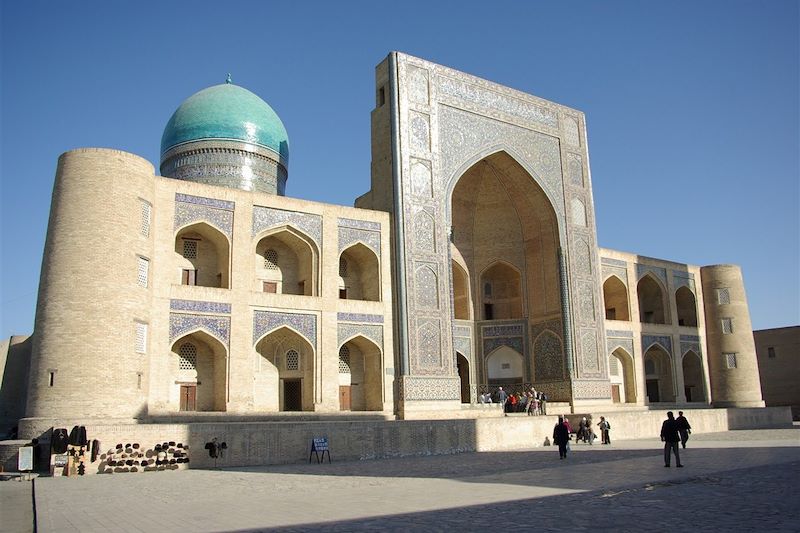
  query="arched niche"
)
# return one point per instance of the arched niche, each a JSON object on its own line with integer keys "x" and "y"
{"x": 359, "y": 274}
{"x": 652, "y": 308}
{"x": 659, "y": 384}
{"x": 462, "y": 305}
{"x": 202, "y": 254}
{"x": 615, "y": 299}
{"x": 501, "y": 292}
{"x": 622, "y": 376}
{"x": 198, "y": 373}
{"x": 505, "y": 366}
{"x": 286, "y": 262}
{"x": 284, "y": 371}
{"x": 686, "y": 305}
{"x": 360, "y": 375}
{"x": 693, "y": 381}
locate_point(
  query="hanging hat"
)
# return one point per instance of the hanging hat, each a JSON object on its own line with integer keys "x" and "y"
{"x": 136, "y": 445}
{"x": 119, "y": 446}
{"x": 180, "y": 445}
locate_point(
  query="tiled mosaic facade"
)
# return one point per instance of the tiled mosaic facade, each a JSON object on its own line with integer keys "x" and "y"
{"x": 265, "y": 218}
{"x": 200, "y": 307}
{"x": 353, "y": 231}
{"x": 429, "y": 388}
{"x": 267, "y": 321}
{"x": 346, "y": 332}
{"x": 218, "y": 327}
{"x": 664, "y": 340}
{"x": 658, "y": 272}
{"x": 191, "y": 209}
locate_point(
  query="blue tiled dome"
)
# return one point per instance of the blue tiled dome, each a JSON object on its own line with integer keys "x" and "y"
{"x": 227, "y": 112}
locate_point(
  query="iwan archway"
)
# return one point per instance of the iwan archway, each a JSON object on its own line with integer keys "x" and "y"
{"x": 505, "y": 234}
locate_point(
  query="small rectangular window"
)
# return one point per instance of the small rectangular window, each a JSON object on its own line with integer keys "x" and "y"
{"x": 381, "y": 97}
{"x": 143, "y": 267}
{"x": 189, "y": 277}
{"x": 141, "y": 337}
{"x": 51, "y": 378}
{"x": 189, "y": 249}
{"x": 727, "y": 326}
{"x": 771, "y": 352}
{"x": 139, "y": 380}
{"x": 343, "y": 294}
{"x": 270, "y": 287}
{"x": 146, "y": 214}
{"x": 730, "y": 360}
{"x": 723, "y": 296}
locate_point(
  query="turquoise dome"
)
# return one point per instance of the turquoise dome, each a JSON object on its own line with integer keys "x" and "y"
{"x": 227, "y": 112}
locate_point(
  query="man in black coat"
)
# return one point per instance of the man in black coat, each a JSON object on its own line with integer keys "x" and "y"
{"x": 683, "y": 428}
{"x": 561, "y": 437}
{"x": 670, "y": 438}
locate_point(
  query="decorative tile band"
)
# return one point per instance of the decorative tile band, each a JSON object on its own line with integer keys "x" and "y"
{"x": 504, "y": 330}
{"x": 693, "y": 346}
{"x": 266, "y": 321}
{"x": 463, "y": 345}
{"x": 591, "y": 390}
{"x": 690, "y": 338}
{"x": 348, "y": 331}
{"x": 359, "y": 317}
{"x": 268, "y": 217}
{"x": 187, "y": 213}
{"x": 416, "y": 388}
{"x": 613, "y": 262}
{"x": 208, "y": 202}
{"x": 200, "y": 307}
{"x": 490, "y": 345}
{"x": 664, "y": 340}
{"x": 181, "y": 324}
{"x": 350, "y": 236}
{"x": 462, "y": 331}
{"x": 683, "y": 279}
{"x": 619, "y": 333}
{"x": 625, "y": 344}
{"x": 359, "y": 224}
{"x": 660, "y": 273}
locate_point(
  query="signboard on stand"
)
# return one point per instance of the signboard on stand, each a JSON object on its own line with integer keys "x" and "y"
{"x": 319, "y": 445}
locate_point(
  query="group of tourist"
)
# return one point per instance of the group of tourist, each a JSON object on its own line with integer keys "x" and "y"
{"x": 532, "y": 402}
{"x": 673, "y": 431}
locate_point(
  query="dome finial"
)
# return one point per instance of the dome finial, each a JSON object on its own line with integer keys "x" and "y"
{"x": 228, "y": 79}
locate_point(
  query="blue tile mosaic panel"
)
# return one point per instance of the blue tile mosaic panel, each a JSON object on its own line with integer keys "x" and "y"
{"x": 350, "y": 236}
{"x": 348, "y": 331}
{"x": 200, "y": 307}
{"x": 267, "y": 217}
{"x": 619, "y": 333}
{"x": 660, "y": 273}
{"x": 664, "y": 340}
{"x": 359, "y": 317}
{"x": 208, "y": 202}
{"x": 187, "y": 213}
{"x": 267, "y": 321}
{"x": 218, "y": 327}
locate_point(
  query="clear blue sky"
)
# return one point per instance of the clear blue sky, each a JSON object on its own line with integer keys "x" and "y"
{"x": 691, "y": 107}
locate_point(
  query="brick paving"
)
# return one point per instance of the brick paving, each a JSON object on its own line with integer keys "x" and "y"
{"x": 732, "y": 481}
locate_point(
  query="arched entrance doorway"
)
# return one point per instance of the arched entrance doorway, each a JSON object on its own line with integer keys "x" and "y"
{"x": 621, "y": 375}
{"x": 463, "y": 375}
{"x": 198, "y": 372}
{"x": 693, "y": 377}
{"x": 360, "y": 378}
{"x": 284, "y": 371}
{"x": 658, "y": 375}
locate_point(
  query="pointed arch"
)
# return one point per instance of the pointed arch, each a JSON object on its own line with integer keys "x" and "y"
{"x": 622, "y": 376}
{"x": 359, "y": 273}
{"x": 286, "y": 261}
{"x": 202, "y": 256}
{"x": 693, "y": 377}
{"x": 652, "y": 303}
{"x": 505, "y": 365}
{"x": 361, "y": 387}
{"x": 501, "y": 291}
{"x": 284, "y": 371}
{"x": 686, "y": 305}
{"x": 198, "y": 372}
{"x": 615, "y": 299}
{"x": 658, "y": 374}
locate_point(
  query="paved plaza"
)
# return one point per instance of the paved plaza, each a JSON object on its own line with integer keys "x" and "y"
{"x": 733, "y": 481}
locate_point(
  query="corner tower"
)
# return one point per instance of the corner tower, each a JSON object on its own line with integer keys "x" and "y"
{"x": 227, "y": 136}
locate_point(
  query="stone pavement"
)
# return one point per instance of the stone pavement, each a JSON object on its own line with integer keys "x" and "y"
{"x": 733, "y": 481}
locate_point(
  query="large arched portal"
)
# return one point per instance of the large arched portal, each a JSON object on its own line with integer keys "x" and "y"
{"x": 505, "y": 233}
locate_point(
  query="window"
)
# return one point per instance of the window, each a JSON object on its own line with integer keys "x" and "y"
{"x": 270, "y": 287}
{"x": 342, "y": 267}
{"x": 187, "y": 357}
{"x": 723, "y": 296}
{"x": 771, "y": 352}
{"x": 189, "y": 277}
{"x": 343, "y": 294}
{"x": 139, "y": 380}
{"x": 141, "y": 338}
{"x": 292, "y": 360}
{"x": 727, "y": 326}
{"x": 381, "y": 97}
{"x": 145, "y": 222}
{"x": 51, "y": 378}
{"x": 189, "y": 249}
{"x": 505, "y": 366}
{"x": 730, "y": 360}
{"x": 143, "y": 265}
{"x": 344, "y": 360}
{"x": 271, "y": 259}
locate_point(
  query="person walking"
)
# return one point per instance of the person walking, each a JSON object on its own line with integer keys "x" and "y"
{"x": 501, "y": 398}
{"x": 670, "y": 438}
{"x": 561, "y": 437}
{"x": 684, "y": 429}
{"x": 605, "y": 430}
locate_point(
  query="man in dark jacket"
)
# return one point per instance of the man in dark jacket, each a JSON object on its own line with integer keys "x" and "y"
{"x": 670, "y": 438}
{"x": 683, "y": 428}
{"x": 561, "y": 437}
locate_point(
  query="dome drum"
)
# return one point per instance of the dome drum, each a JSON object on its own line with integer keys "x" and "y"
{"x": 223, "y": 163}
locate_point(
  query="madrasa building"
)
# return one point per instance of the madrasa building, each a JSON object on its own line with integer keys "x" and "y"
{"x": 198, "y": 300}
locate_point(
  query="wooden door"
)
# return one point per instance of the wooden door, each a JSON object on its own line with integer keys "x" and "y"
{"x": 615, "y": 393}
{"x": 652, "y": 391}
{"x": 344, "y": 397}
{"x": 188, "y": 398}
{"x": 292, "y": 395}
